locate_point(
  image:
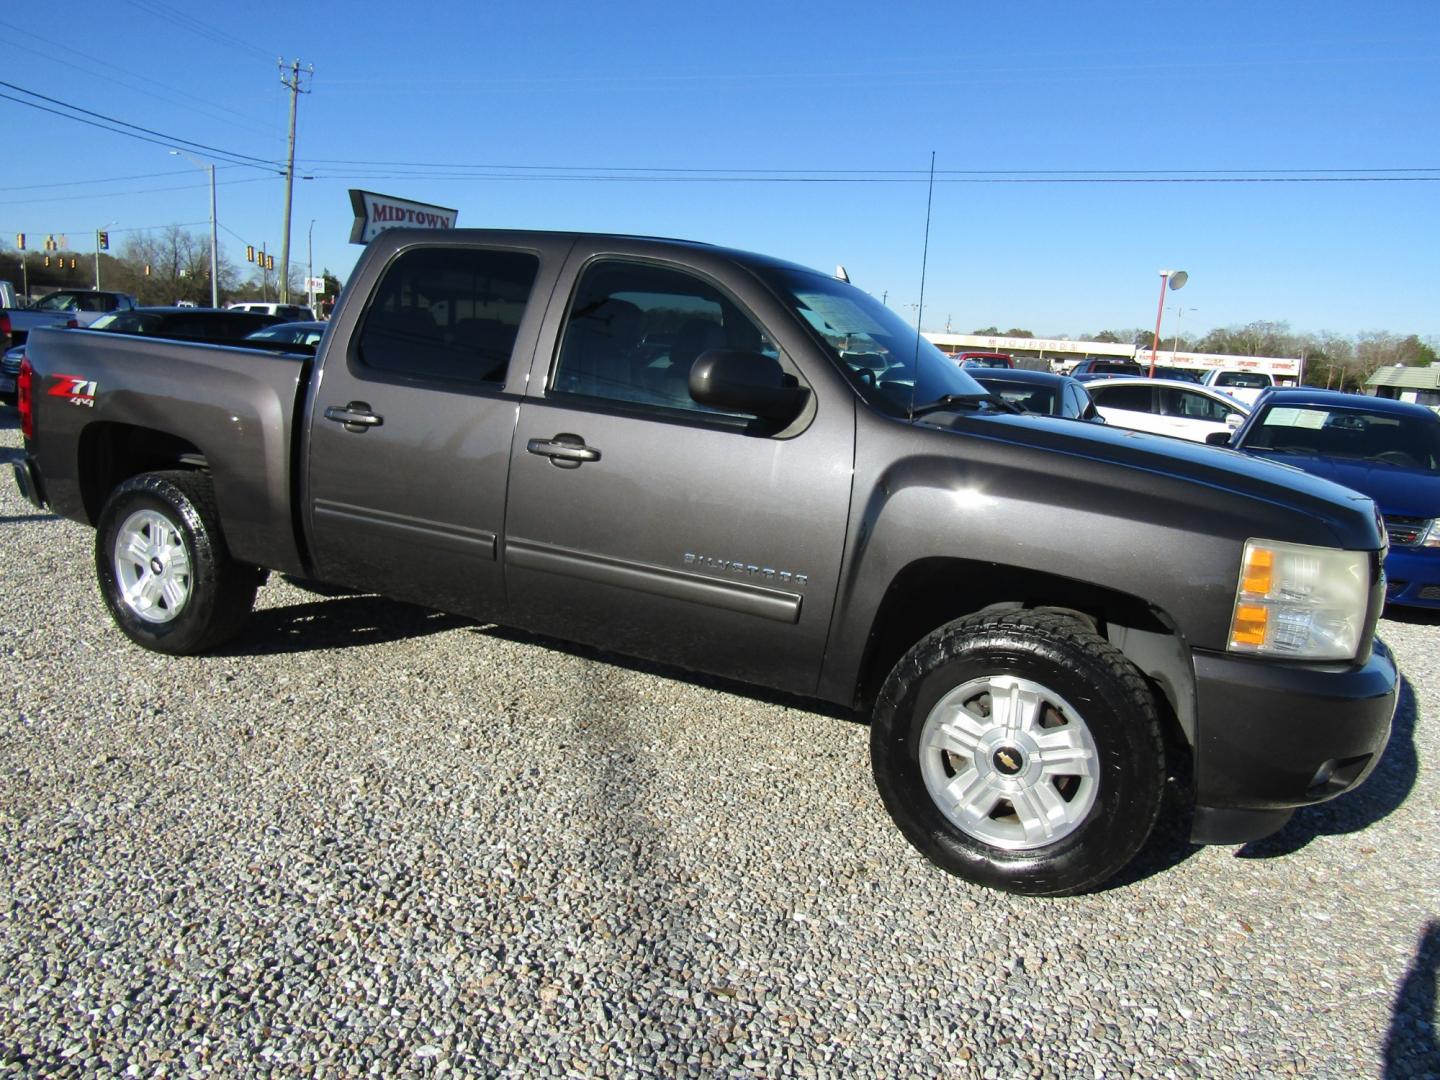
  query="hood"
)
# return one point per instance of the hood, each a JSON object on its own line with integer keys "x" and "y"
{"x": 1169, "y": 467}
{"x": 1397, "y": 491}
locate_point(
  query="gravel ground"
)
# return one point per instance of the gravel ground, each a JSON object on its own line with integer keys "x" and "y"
{"x": 376, "y": 840}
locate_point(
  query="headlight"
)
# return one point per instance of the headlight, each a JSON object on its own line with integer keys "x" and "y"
{"x": 1431, "y": 536}
{"x": 1305, "y": 603}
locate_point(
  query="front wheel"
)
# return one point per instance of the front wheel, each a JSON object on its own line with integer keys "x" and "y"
{"x": 1020, "y": 751}
{"x": 163, "y": 568}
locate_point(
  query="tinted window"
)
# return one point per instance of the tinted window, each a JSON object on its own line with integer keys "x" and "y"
{"x": 447, "y": 314}
{"x": 1028, "y": 396}
{"x": 1246, "y": 380}
{"x": 1134, "y": 398}
{"x": 634, "y": 330}
{"x": 1192, "y": 406}
{"x": 1382, "y": 438}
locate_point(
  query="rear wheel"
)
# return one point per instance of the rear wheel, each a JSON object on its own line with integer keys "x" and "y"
{"x": 163, "y": 567}
{"x": 1020, "y": 751}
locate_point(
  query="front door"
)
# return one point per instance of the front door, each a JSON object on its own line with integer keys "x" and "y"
{"x": 645, "y": 523}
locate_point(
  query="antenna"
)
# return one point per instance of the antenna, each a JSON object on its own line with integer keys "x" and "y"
{"x": 920, "y": 307}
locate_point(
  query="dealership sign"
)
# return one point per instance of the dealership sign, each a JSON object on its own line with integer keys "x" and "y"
{"x": 375, "y": 213}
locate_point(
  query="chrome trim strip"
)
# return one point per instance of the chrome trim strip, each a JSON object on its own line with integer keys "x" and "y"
{"x": 736, "y": 596}
{"x": 479, "y": 543}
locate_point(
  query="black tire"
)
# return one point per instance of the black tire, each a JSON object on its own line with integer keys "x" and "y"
{"x": 1106, "y": 810}
{"x": 197, "y": 597}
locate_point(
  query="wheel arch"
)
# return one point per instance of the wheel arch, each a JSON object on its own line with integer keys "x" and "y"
{"x": 110, "y": 453}
{"x": 929, "y": 592}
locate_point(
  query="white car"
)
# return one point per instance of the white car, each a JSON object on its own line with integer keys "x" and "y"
{"x": 1243, "y": 386}
{"x": 1185, "y": 410}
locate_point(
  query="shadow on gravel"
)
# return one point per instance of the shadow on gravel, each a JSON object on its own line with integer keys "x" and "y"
{"x": 713, "y": 682}
{"x": 1413, "y": 616}
{"x": 9, "y": 418}
{"x": 339, "y": 623}
{"x": 10, "y": 453}
{"x": 26, "y": 519}
{"x": 1411, "y": 1046}
{"x": 1380, "y": 795}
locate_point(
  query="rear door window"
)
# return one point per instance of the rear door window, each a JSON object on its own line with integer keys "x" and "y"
{"x": 1133, "y": 398}
{"x": 447, "y": 315}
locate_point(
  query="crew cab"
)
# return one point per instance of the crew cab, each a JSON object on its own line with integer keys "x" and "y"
{"x": 735, "y": 465}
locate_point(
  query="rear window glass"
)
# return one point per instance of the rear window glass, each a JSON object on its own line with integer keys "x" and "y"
{"x": 447, "y": 314}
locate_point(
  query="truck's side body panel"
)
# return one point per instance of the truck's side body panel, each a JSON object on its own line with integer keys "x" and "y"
{"x": 236, "y": 407}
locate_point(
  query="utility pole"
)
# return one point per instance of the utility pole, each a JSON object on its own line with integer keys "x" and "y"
{"x": 293, "y": 82}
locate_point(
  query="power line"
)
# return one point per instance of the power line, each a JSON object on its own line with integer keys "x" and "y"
{"x": 826, "y": 179}
{"x": 857, "y": 172}
{"x": 138, "y": 191}
{"x": 161, "y": 140}
{"x": 189, "y": 101}
{"x": 174, "y": 16}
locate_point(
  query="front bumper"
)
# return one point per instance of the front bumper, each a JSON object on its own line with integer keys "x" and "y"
{"x": 1273, "y": 736}
{"x": 1412, "y": 577}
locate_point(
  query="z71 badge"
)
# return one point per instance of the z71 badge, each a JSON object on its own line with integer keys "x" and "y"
{"x": 79, "y": 390}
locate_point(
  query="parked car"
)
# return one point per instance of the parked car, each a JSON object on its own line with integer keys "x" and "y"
{"x": 1243, "y": 386}
{"x": 287, "y": 312}
{"x": 187, "y": 324}
{"x": 1167, "y": 406}
{"x": 9, "y": 372}
{"x": 1388, "y": 450}
{"x": 984, "y": 360}
{"x": 1040, "y": 392}
{"x": 1095, "y": 368}
{"x": 305, "y": 334}
{"x": 1165, "y": 371}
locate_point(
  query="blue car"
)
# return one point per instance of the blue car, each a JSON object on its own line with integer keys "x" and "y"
{"x": 1388, "y": 450}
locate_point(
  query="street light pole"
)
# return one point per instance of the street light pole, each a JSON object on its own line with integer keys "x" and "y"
{"x": 214, "y": 238}
{"x": 1174, "y": 279}
{"x": 310, "y": 267}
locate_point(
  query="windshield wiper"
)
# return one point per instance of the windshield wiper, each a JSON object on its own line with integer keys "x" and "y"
{"x": 964, "y": 401}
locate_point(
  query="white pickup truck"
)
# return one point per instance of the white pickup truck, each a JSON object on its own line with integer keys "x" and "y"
{"x": 1243, "y": 386}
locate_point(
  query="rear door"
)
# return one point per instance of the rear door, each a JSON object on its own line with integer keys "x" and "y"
{"x": 645, "y": 523}
{"x": 411, "y": 420}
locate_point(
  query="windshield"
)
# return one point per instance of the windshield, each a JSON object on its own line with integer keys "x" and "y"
{"x": 1373, "y": 437}
{"x": 892, "y": 366}
{"x": 60, "y": 301}
{"x": 1028, "y": 396}
{"x": 128, "y": 322}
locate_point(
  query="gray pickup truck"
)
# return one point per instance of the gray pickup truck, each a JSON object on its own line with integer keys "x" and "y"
{"x": 739, "y": 466}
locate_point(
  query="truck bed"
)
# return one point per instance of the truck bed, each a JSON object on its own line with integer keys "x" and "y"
{"x": 103, "y": 400}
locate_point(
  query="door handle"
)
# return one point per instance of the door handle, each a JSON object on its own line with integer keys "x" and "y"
{"x": 565, "y": 451}
{"x": 356, "y": 416}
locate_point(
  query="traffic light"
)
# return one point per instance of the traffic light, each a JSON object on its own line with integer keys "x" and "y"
{"x": 20, "y": 241}
{"x": 104, "y": 240}
{"x": 72, "y": 262}
{"x": 47, "y": 260}
{"x": 249, "y": 252}
{"x": 269, "y": 262}
{"x": 147, "y": 269}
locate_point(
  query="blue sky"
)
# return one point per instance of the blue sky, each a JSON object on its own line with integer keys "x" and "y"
{"x": 844, "y": 101}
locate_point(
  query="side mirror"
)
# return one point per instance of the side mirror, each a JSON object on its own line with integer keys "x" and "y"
{"x": 746, "y": 382}
{"x": 1233, "y": 420}
{"x": 1218, "y": 438}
